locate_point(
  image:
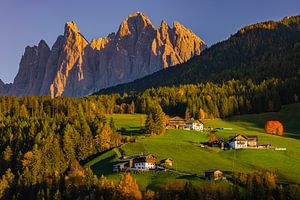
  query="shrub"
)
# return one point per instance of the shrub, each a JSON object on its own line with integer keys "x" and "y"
{"x": 274, "y": 128}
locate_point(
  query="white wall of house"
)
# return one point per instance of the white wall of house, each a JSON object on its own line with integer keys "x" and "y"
{"x": 238, "y": 144}
{"x": 195, "y": 126}
{"x": 144, "y": 165}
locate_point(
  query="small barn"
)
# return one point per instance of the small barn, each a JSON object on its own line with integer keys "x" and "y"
{"x": 120, "y": 167}
{"x": 128, "y": 159}
{"x": 166, "y": 162}
{"x": 176, "y": 123}
{"x": 213, "y": 174}
{"x": 252, "y": 141}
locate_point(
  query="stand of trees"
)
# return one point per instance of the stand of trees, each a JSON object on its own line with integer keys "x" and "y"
{"x": 212, "y": 100}
{"x": 41, "y": 138}
{"x": 42, "y": 141}
{"x": 156, "y": 120}
{"x": 81, "y": 183}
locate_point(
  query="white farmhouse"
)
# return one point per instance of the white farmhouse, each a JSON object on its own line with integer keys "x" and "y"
{"x": 144, "y": 162}
{"x": 241, "y": 141}
{"x": 238, "y": 142}
{"x": 196, "y": 125}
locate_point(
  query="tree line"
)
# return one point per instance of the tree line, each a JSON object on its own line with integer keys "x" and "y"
{"x": 217, "y": 100}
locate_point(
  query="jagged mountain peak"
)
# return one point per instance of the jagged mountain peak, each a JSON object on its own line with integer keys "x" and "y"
{"x": 73, "y": 39}
{"x": 71, "y": 26}
{"x": 164, "y": 24}
{"x": 75, "y": 67}
{"x": 29, "y": 48}
{"x": 177, "y": 24}
{"x": 178, "y": 27}
{"x": 134, "y": 23}
{"x": 73, "y": 32}
{"x": 138, "y": 15}
{"x": 164, "y": 27}
{"x": 99, "y": 43}
{"x": 43, "y": 43}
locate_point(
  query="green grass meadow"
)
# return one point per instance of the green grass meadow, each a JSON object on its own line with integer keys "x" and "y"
{"x": 184, "y": 148}
{"x": 128, "y": 121}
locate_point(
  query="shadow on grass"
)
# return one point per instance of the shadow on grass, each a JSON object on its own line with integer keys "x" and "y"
{"x": 288, "y": 116}
{"x": 192, "y": 142}
{"x": 135, "y": 127}
{"x": 131, "y": 132}
{"x": 92, "y": 157}
{"x": 191, "y": 177}
{"x": 104, "y": 166}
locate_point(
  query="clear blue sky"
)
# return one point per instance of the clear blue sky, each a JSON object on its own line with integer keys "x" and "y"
{"x": 26, "y": 22}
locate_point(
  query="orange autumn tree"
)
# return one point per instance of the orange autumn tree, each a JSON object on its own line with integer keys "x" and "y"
{"x": 128, "y": 188}
{"x": 274, "y": 128}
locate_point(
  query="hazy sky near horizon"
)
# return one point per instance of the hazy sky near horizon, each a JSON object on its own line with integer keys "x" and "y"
{"x": 26, "y": 22}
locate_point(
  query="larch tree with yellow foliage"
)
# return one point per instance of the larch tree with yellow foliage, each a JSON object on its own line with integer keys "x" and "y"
{"x": 103, "y": 138}
{"x": 5, "y": 182}
{"x": 128, "y": 188}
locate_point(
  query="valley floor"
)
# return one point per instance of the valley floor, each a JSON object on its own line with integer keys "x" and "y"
{"x": 184, "y": 148}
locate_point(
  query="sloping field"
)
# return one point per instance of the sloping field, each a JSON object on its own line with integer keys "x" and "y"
{"x": 183, "y": 147}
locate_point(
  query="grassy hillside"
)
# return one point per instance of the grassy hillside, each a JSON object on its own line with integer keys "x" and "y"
{"x": 183, "y": 147}
{"x": 128, "y": 121}
{"x": 288, "y": 115}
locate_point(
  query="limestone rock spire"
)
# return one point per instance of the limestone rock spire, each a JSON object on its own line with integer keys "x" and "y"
{"x": 75, "y": 67}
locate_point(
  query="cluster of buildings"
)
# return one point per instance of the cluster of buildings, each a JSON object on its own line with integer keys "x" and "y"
{"x": 140, "y": 163}
{"x": 238, "y": 141}
{"x": 243, "y": 142}
{"x": 148, "y": 162}
{"x": 179, "y": 123}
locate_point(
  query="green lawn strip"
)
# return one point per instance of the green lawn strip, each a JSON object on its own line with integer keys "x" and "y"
{"x": 128, "y": 121}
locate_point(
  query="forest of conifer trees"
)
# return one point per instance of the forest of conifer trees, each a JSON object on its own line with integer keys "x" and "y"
{"x": 44, "y": 140}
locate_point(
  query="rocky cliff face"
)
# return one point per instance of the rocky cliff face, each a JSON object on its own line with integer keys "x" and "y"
{"x": 32, "y": 70}
{"x": 65, "y": 62}
{"x": 75, "y": 67}
{"x": 2, "y": 84}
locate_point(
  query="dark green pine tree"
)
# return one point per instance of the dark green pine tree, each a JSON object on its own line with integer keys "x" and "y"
{"x": 149, "y": 124}
{"x": 69, "y": 143}
{"x": 112, "y": 125}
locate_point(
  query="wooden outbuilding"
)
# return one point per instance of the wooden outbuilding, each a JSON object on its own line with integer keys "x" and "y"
{"x": 120, "y": 167}
{"x": 166, "y": 162}
{"x": 176, "y": 123}
{"x": 213, "y": 174}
